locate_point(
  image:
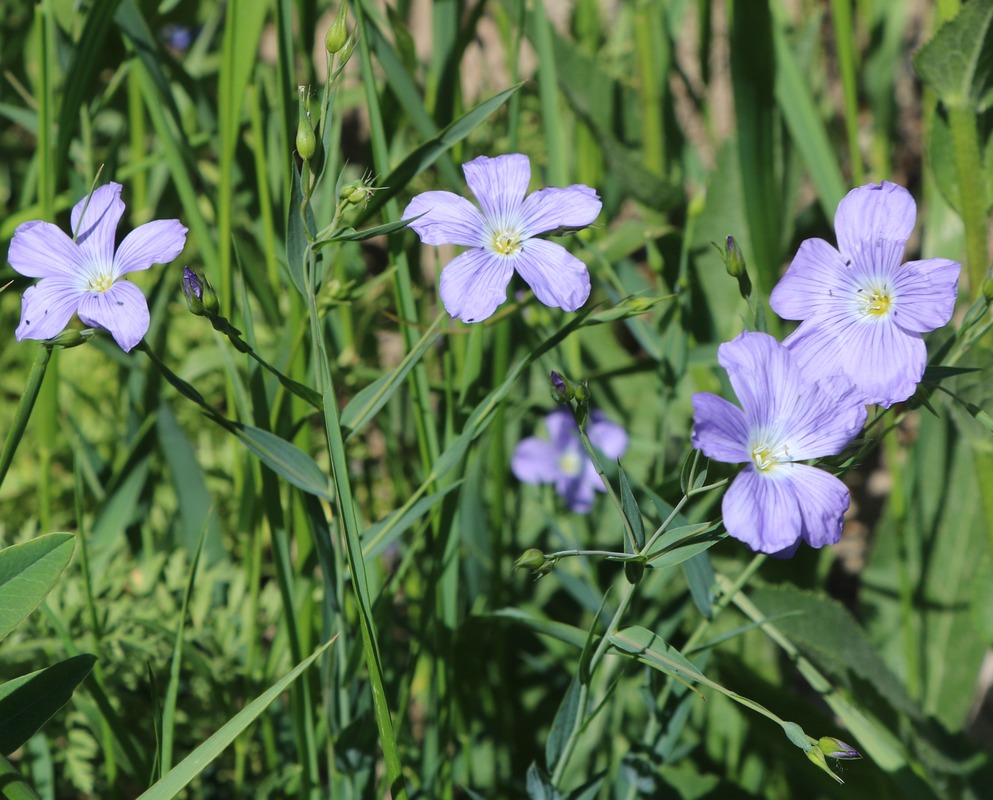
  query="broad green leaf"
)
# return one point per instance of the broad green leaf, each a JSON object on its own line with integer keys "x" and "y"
{"x": 28, "y": 702}
{"x": 28, "y": 571}
{"x": 176, "y": 779}
{"x": 958, "y": 61}
{"x": 830, "y": 637}
{"x": 285, "y": 459}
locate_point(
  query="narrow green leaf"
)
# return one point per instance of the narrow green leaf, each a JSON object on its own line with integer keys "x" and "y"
{"x": 632, "y": 513}
{"x": 377, "y": 537}
{"x": 366, "y": 404}
{"x": 185, "y": 771}
{"x": 285, "y": 459}
{"x": 28, "y": 702}
{"x": 297, "y": 241}
{"x": 653, "y": 650}
{"x": 28, "y": 571}
{"x": 352, "y": 235}
{"x": 562, "y": 725}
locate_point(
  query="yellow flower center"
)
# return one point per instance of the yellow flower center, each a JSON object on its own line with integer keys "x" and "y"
{"x": 571, "y": 464}
{"x": 876, "y": 302}
{"x": 766, "y": 456}
{"x": 506, "y": 243}
{"x": 99, "y": 283}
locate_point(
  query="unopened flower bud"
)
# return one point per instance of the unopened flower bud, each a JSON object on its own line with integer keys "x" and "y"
{"x": 582, "y": 391}
{"x": 988, "y": 286}
{"x": 562, "y": 388}
{"x": 70, "y": 337}
{"x": 532, "y": 559}
{"x": 336, "y": 36}
{"x": 835, "y": 748}
{"x": 200, "y": 295}
{"x": 734, "y": 263}
{"x": 357, "y": 193}
{"x": 306, "y": 139}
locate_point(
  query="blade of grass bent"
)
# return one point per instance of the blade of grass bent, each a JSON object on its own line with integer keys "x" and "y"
{"x": 173, "y": 782}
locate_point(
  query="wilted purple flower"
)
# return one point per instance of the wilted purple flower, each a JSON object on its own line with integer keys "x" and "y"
{"x": 562, "y": 459}
{"x": 863, "y": 311}
{"x": 501, "y": 238}
{"x": 775, "y": 502}
{"x": 84, "y": 276}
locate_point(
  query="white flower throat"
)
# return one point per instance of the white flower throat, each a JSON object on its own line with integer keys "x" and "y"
{"x": 766, "y": 455}
{"x": 875, "y": 302}
{"x": 98, "y": 277}
{"x": 504, "y": 238}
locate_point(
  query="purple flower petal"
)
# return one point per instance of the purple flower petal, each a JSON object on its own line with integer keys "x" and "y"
{"x": 817, "y": 281}
{"x": 557, "y": 278}
{"x": 46, "y": 308}
{"x": 96, "y": 232}
{"x": 570, "y": 207}
{"x": 562, "y": 429}
{"x": 535, "y": 461}
{"x": 884, "y": 362}
{"x": 823, "y": 502}
{"x": 121, "y": 309}
{"x": 579, "y": 491}
{"x": 448, "y": 219}
{"x": 925, "y": 294}
{"x": 764, "y": 376}
{"x": 499, "y": 184}
{"x": 871, "y": 215}
{"x": 474, "y": 284}
{"x": 762, "y": 512}
{"x": 42, "y": 250}
{"x": 606, "y": 436}
{"x": 720, "y": 430}
{"x": 156, "y": 242}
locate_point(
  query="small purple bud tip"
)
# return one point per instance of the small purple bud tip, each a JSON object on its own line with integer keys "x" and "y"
{"x": 191, "y": 284}
{"x": 835, "y": 748}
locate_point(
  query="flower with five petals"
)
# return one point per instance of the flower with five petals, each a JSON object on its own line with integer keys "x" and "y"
{"x": 84, "y": 274}
{"x": 501, "y": 237}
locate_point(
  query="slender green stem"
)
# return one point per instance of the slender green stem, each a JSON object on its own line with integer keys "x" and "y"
{"x": 972, "y": 197}
{"x": 24, "y": 408}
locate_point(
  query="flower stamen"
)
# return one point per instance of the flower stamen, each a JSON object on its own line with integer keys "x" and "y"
{"x": 506, "y": 243}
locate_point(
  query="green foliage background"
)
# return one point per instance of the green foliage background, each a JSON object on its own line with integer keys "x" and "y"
{"x": 208, "y": 565}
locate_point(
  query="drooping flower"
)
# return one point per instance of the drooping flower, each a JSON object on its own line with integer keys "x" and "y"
{"x": 563, "y": 461}
{"x": 776, "y": 502}
{"x": 863, "y": 311}
{"x": 84, "y": 275}
{"x": 501, "y": 238}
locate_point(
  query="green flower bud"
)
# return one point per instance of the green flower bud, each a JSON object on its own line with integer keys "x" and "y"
{"x": 357, "y": 193}
{"x": 200, "y": 295}
{"x": 70, "y": 337}
{"x": 835, "y": 748}
{"x": 306, "y": 140}
{"x": 562, "y": 389}
{"x": 336, "y": 36}
{"x": 988, "y": 287}
{"x": 531, "y": 558}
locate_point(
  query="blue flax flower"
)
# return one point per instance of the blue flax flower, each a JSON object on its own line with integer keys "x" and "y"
{"x": 776, "y": 502}
{"x": 562, "y": 459}
{"x": 501, "y": 237}
{"x": 863, "y": 311}
{"x": 84, "y": 276}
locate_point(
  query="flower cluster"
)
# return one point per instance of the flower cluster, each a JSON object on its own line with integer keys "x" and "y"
{"x": 83, "y": 275}
{"x": 859, "y": 343}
